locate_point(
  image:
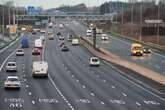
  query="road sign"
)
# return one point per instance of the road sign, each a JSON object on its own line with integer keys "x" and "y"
{"x": 13, "y": 29}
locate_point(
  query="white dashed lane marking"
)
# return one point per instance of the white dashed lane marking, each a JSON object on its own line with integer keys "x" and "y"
{"x": 124, "y": 94}
{"x": 30, "y": 93}
{"x": 60, "y": 93}
{"x": 113, "y": 87}
{"x": 92, "y": 94}
{"x": 102, "y": 102}
{"x": 137, "y": 103}
{"x": 33, "y": 102}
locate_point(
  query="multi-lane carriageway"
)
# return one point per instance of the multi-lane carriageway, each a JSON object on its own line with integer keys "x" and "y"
{"x": 72, "y": 84}
{"x": 121, "y": 47}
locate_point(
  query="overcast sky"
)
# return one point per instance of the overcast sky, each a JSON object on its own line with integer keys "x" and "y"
{"x": 56, "y": 3}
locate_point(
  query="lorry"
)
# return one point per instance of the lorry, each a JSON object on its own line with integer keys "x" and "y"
{"x": 38, "y": 43}
{"x": 24, "y": 42}
{"x": 40, "y": 68}
{"x": 136, "y": 49}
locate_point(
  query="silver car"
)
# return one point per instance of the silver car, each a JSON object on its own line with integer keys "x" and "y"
{"x": 20, "y": 52}
{"x": 94, "y": 61}
{"x": 12, "y": 82}
{"x": 11, "y": 66}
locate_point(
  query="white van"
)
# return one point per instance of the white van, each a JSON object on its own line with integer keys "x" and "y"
{"x": 75, "y": 41}
{"x": 38, "y": 43}
{"x": 40, "y": 68}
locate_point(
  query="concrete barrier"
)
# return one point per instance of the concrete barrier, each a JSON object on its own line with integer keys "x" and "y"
{"x": 107, "y": 56}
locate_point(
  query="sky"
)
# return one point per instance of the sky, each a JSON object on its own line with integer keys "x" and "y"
{"x": 56, "y": 3}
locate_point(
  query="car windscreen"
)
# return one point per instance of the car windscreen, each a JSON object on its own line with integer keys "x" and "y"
{"x": 12, "y": 79}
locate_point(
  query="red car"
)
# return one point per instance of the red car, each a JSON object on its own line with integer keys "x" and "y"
{"x": 36, "y": 51}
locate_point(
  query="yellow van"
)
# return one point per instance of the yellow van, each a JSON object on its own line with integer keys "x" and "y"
{"x": 136, "y": 49}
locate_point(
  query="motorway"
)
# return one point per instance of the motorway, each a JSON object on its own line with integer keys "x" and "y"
{"x": 72, "y": 84}
{"x": 121, "y": 47}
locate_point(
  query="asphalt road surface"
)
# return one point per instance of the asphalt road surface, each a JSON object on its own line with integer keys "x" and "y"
{"x": 72, "y": 84}
{"x": 121, "y": 47}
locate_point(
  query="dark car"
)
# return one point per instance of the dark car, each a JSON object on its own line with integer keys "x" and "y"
{"x": 58, "y": 34}
{"x": 146, "y": 50}
{"x": 64, "y": 48}
{"x": 34, "y": 32}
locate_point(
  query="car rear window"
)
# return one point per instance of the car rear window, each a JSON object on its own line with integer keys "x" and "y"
{"x": 11, "y": 64}
{"x": 95, "y": 60}
{"x": 19, "y": 50}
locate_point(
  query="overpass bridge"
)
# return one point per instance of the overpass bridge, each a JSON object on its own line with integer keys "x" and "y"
{"x": 80, "y": 17}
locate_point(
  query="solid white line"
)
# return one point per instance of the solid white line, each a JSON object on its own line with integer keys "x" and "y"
{"x": 60, "y": 93}
{"x": 137, "y": 84}
{"x": 7, "y": 59}
{"x": 9, "y": 45}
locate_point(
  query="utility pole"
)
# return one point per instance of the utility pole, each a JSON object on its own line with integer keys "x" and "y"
{"x": 13, "y": 15}
{"x": 3, "y": 22}
{"x": 94, "y": 36}
{"x": 17, "y": 15}
{"x": 141, "y": 18}
{"x": 158, "y": 23}
{"x": 9, "y": 15}
{"x": 122, "y": 18}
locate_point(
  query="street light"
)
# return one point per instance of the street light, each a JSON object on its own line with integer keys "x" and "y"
{"x": 3, "y": 22}
{"x": 141, "y": 18}
{"x": 158, "y": 23}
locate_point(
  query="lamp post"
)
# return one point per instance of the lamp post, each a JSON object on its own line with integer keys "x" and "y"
{"x": 141, "y": 18}
{"x": 3, "y": 22}
{"x": 94, "y": 36}
{"x": 158, "y": 23}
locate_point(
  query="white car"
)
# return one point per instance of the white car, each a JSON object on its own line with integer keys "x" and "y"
{"x": 20, "y": 52}
{"x": 61, "y": 26}
{"x": 61, "y": 37}
{"x": 11, "y": 66}
{"x": 89, "y": 33}
{"x": 75, "y": 42}
{"x": 12, "y": 82}
{"x": 94, "y": 61}
{"x": 104, "y": 37}
{"x": 40, "y": 68}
